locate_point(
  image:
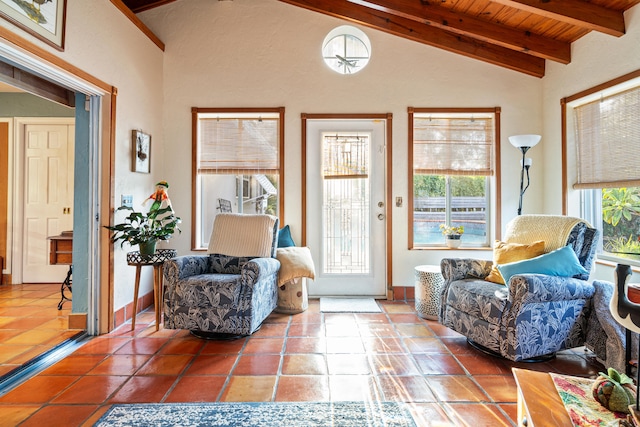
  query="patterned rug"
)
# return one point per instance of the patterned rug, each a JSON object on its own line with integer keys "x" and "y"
{"x": 261, "y": 414}
{"x": 582, "y": 408}
{"x": 349, "y": 305}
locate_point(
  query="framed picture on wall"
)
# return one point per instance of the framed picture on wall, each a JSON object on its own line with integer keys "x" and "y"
{"x": 44, "y": 19}
{"x": 141, "y": 152}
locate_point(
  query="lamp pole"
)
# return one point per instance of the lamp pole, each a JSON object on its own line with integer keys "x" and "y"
{"x": 522, "y": 187}
{"x": 524, "y": 143}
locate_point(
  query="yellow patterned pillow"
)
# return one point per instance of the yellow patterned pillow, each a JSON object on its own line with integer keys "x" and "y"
{"x": 504, "y": 253}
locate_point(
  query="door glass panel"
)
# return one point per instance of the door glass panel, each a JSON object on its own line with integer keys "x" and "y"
{"x": 346, "y": 204}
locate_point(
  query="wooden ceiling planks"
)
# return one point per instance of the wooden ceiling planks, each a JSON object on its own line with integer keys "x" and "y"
{"x": 516, "y": 34}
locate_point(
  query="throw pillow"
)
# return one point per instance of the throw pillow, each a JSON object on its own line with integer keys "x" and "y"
{"x": 284, "y": 238}
{"x": 561, "y": 262}
{"x": 504, "y": 253}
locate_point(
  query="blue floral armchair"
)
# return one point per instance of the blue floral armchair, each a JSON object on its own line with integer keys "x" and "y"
{"x": 230, "y": 292}
{"x": 533, "y": 315}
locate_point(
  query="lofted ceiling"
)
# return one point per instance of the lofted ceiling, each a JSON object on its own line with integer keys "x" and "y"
{"x": 520, "y": 35}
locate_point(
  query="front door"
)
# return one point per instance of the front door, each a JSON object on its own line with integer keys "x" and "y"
{"x": 48, "y": 197}
{"x": 346, "y": 206}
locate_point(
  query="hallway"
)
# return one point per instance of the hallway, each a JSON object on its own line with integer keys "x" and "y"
{"x": 30, "y": 323}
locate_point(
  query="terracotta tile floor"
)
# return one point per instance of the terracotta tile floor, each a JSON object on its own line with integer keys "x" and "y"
{"x": 393, "y": 356}
{"x": 30, "y": 323}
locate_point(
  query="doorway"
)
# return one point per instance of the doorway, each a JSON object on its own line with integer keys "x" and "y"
{"x": 44, "y": 175}
{"x": 346, "y": 205}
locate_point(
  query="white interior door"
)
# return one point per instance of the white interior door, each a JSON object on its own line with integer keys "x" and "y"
{"x": 48, "y": 197}
{"x": 346, "y": 206}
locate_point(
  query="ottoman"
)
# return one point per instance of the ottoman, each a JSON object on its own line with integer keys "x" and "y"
{"x": 292, "y": 296}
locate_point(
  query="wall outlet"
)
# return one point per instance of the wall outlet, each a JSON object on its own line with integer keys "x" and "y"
{"x": 126, "y": 200}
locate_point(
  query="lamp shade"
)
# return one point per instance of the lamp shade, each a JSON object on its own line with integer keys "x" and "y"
{"x": 520, "y": 141}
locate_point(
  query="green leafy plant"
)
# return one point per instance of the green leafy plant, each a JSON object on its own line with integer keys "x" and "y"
{"x": 619, "y": 203}
{"x": 448, "y": 230}
{"x": 137, "y": 228}
{"x": 622, "y": 245}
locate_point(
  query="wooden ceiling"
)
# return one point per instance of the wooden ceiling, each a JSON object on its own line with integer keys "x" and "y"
{"x": 516, "y": 34}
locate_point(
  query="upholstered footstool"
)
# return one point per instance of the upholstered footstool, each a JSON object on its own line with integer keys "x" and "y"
{"x": 292, "y": 296}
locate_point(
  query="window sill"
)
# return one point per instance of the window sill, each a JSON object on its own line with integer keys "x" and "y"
{"x": 611, "y": 261}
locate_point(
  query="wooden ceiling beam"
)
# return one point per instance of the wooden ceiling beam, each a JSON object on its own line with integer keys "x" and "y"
{"x": 574, "y": 12}
{"x": 138, "y": 6}
{"x": 501, "y": 35}
{"x": 426, "y": 34}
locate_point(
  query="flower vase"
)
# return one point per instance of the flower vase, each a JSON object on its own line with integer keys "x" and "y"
{"x": 453, "y": 241}
{"x": 148, "y": 248}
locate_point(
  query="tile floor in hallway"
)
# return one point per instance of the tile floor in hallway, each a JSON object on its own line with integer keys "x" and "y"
{"x": 30, "y": 322}
{"x": 311, "y": 356}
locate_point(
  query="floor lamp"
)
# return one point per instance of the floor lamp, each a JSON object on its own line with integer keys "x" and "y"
{"x": 524, "y": 143}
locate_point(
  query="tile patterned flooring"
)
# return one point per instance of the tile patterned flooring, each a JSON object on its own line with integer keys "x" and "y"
{"x": 30, "y": 322}
{"x": 311, "y": 356}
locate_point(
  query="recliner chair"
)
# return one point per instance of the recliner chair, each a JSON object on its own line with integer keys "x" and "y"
{"x": 533, "y": 315}
{"x": 230, "y": 291}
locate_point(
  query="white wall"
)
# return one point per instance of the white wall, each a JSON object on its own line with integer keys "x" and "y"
{"x": 102, "y": 42}
{"x": 596, "y": 58}
{"x": 249, "y": 53}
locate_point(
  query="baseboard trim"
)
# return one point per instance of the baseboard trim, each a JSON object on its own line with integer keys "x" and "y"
{"x": 78, "y": 321}
{"x": 404, "y": 293}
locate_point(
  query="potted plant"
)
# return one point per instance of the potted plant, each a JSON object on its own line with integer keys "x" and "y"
{"x": 452, "y": 235}
{"x": 145, "y": 230}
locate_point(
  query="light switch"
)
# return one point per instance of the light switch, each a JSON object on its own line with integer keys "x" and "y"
{"x": 126, "y": 200}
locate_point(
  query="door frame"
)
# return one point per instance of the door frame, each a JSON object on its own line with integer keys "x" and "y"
{"x": 101, "y": 98}
{"x": 388, "y": 118}
{"x": 16, "y": 184}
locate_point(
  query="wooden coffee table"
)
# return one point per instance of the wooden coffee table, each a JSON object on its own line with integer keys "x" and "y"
{"x": 539, "y": 404}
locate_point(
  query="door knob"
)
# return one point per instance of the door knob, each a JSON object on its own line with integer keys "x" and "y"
{"x": 380, "y": 204}
{"x": 380, "y": 217}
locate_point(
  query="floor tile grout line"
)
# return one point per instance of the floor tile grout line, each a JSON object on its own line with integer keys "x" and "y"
{"x": 281, "y": 362}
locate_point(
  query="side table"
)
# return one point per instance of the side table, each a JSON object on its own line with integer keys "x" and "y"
{"x": 429, "y": 283}
{"x": 61, "y": 253}
{"x": 539, "y": 404}
{"x": 157, "y": 261}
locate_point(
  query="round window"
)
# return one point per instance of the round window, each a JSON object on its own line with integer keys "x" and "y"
{"x": 346, "y": 49}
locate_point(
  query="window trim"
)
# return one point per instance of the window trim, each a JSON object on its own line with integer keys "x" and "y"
{"x": 495, "y": 215}
{"x": 194, "y": 160}
{"x": 564, "y": 104}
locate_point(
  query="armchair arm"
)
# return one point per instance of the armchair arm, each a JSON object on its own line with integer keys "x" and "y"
{"x": 532, "y": 288}
{"x": 253, "y": 271}
{"x": 185, "y": 266}
{"x": 464, "y": 268}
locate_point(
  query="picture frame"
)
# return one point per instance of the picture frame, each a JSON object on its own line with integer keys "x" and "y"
{"x": 45, "y": 21}
{"x": 140, "y": 152}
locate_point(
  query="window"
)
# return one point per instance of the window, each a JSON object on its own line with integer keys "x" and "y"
{"x": 237, "y": 157}
{"x": 451, "y": 155}
{"x": 606, "y": 128}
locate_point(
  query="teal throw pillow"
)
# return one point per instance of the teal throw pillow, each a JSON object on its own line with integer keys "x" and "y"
{"x": 561, "y": 262}
{"x": 284, "y": 237}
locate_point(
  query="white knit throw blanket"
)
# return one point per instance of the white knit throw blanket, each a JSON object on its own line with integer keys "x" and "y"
{"x": 242, "y": 235}
{"x": 553, "y": 229}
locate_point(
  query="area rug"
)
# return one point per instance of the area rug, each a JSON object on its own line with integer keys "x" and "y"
{"x": 349, "y": 305}
{"x": 260, "y": 414}
{"x": 578, "y": 400}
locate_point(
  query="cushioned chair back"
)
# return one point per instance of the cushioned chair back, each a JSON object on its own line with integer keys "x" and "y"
{"x": 556, "y": 231}
{"x": 241, "y": 235}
